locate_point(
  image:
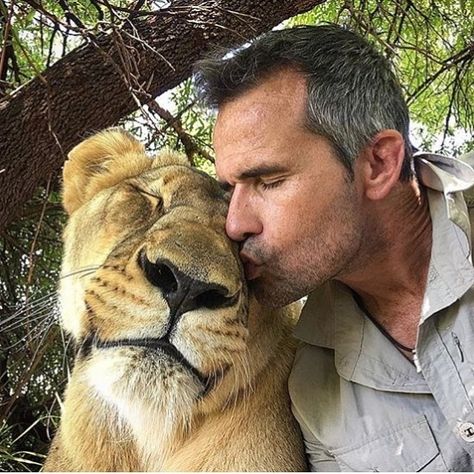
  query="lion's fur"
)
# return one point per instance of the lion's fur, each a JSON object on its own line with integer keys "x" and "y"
{"x": 131, "y": 408}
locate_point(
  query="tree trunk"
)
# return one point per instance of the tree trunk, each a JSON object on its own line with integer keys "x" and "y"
{"x": 98, "y": 83}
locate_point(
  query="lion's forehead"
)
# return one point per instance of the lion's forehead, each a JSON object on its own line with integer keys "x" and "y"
{"x": 190, "y": 198}
{"x": 181, "y": 183}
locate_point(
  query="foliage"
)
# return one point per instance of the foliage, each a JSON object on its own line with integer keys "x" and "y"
{"x": 430, "y": 43}
{"x": 33, "y": 362}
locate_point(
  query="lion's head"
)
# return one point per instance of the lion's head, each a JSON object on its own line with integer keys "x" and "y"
{"x": 173, "y": 354}
{"x": 152, "y": 290}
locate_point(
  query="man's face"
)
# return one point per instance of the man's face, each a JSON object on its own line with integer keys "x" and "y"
{"x": 293, "y": 208}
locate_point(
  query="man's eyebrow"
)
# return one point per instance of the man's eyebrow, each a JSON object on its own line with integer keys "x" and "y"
{"x": 256, "y": 172}
{"x": 262, "y": 170}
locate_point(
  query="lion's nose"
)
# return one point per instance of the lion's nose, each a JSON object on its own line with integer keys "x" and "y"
{"x": 182, "y": 292}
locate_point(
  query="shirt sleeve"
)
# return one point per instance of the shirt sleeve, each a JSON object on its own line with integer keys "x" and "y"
{"x": 318, "y": 457}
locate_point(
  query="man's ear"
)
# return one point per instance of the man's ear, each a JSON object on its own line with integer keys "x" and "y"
{"x": 99, "y": 162}
{"x": 381, "y": 163}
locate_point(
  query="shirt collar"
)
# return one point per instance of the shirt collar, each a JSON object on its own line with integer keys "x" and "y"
{"x": 332, "y": 319}
{"x": 450, "y": 273}
{"x": 450, "y": 177}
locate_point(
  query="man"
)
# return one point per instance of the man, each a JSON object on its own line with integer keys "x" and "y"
{"x": 327, "y": 199}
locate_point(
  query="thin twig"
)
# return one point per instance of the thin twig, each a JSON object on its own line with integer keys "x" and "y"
{"x": 190, "y": 145}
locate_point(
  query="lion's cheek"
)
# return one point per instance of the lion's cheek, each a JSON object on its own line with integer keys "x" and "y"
{"x": 211, "y": 341}
{"x": 73, "y": 309}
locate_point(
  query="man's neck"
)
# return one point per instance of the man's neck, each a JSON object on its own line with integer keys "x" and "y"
{"x": 392, "y": 281}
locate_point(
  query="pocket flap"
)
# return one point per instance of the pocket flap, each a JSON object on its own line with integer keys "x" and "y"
{"x": 410, "y": 447}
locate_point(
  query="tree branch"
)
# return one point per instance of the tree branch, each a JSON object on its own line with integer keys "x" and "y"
{"x": 50, "y": 115}
{"x": 463, "y": 55}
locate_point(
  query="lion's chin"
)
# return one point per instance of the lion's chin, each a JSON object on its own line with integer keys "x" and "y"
{"x": 150, "y": 386}
{"x": 152, "y": 394}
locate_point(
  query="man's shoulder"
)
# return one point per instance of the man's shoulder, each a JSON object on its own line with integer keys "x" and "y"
{"x": 313, "y": 372}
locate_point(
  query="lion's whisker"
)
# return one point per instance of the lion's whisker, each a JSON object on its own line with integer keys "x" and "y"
{"x": 16, "y": 323}
{"x": 37, "y": 332}
{"x": 27, "y": 306}
{"x": 38, "y": 320}
{"x": 81, "y": 271}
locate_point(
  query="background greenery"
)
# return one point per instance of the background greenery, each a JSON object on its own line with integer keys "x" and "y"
{"x": 430, "y": 44}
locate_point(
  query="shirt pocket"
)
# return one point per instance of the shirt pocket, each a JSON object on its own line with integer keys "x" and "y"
{"x": 408, "y": 447}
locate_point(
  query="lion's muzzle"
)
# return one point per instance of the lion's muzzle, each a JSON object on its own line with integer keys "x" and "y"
{"x": 181, "y": 291}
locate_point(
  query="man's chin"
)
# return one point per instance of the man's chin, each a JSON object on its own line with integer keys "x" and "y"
{"x": 273, "y": 295}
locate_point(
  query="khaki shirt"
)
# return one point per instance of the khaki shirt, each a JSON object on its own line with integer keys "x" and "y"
{"x": 362, "y": 406}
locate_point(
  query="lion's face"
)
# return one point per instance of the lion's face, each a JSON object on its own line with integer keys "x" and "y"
{"x": 152, "y": 289}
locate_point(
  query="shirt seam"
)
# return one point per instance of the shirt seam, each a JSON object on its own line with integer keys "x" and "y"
{"x": 461, "y": 244}
{"x": 395, "y": 387}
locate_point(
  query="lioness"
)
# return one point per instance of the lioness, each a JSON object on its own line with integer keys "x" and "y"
{"x": 177, "y": 367}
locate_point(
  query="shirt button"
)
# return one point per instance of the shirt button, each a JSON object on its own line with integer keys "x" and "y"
{"x": 466, "y": 431}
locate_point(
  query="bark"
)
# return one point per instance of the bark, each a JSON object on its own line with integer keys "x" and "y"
{"x": 89, "y": 89}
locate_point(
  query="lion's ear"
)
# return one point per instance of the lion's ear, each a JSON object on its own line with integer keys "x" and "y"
{"x": 169, "y": 157}
{"x": 99, "y": 162}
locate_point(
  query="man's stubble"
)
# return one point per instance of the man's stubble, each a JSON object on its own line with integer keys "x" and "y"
{"x": 332, "y": 244}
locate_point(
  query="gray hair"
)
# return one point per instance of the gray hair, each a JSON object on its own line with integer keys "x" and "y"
{"x": 352, "y": 92}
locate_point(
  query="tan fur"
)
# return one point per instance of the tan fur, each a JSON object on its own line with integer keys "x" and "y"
{"x": 134, "y": 408}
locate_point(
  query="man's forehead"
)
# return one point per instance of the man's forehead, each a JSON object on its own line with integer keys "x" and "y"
{"x": 258, "y": 123}
{"x": 251, "y": 118}
{"x": 242, "y": 139}
{"x": 239, "y": 116}
{"x": 284, "y": 90}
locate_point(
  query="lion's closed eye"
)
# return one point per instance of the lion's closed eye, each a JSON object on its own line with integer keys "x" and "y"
{"x": 155, "y": 200}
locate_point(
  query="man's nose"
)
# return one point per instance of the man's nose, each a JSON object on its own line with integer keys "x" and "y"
{"x": 242, "y": 219}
